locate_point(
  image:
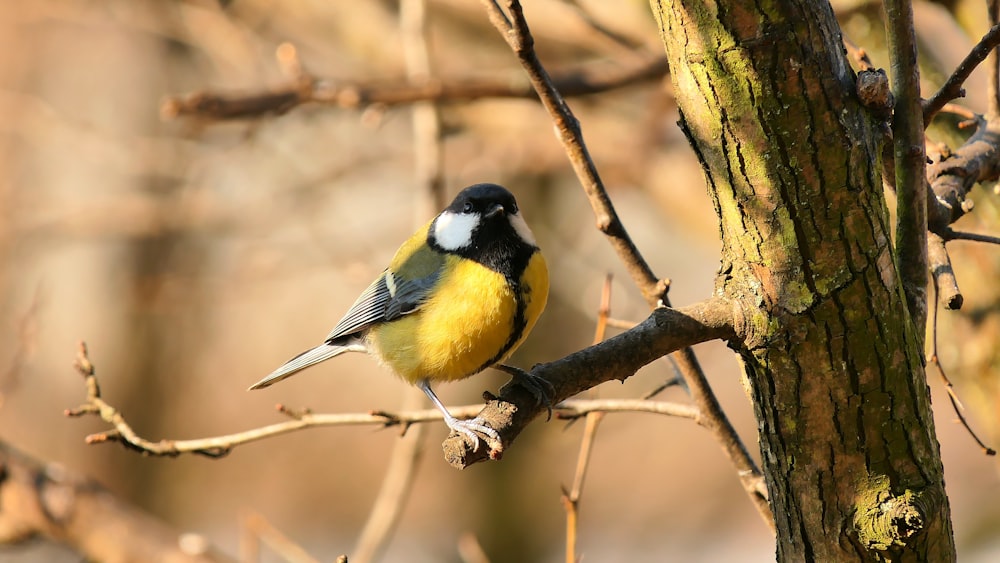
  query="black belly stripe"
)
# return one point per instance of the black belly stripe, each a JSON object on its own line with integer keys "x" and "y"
{"x": 519, "y": 324}
{"x": 498, "y": 247}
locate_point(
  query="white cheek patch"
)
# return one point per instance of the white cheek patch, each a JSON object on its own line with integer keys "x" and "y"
{"x": 522, "y": 230}
{"x": 453, "y": 231}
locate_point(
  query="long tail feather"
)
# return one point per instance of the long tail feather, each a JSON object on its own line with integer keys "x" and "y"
{"x": 305, "y": 359}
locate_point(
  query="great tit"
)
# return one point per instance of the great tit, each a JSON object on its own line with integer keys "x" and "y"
{"x": 459, "y": 296}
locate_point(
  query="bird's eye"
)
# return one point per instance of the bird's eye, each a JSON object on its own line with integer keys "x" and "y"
{"x": 512, "y": 208}
{"x": 468, "y": 207}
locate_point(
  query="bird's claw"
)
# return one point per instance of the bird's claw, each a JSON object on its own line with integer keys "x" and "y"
{"x": 540, "y": 388}
{"x": 472, "y": 429}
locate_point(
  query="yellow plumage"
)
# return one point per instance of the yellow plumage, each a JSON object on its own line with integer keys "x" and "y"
{"x": 465, "y": 324}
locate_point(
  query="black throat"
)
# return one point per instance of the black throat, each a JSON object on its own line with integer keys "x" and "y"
{"x": 496, "y": 246}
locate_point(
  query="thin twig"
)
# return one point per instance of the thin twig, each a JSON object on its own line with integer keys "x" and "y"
{"x": 975, "y": 237}
{"x": 515, "y": 31}
{"x": 218, "y": 446}
{"x": 952, "y": 88}
{"x": 571, "y": 498}
{"x": 956, "y": 403}
{"x": 859, "y": 54}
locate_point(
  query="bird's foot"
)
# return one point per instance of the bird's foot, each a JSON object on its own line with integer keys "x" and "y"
{"x": 472, "y": 429}
{"x": 540, "y": 387}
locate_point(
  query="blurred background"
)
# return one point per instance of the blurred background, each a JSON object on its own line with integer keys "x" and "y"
{"x": 195, "y": 255}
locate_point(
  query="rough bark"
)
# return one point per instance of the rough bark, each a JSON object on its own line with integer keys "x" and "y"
{"x": 832, "y": 358}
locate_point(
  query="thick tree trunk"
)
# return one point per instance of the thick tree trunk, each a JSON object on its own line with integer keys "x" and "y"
{"x": 833, "y": 361}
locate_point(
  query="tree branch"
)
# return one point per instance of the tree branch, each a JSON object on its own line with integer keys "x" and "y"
{"x": 580, "y": 81}
{"x": 617, "y": 358}
{"x": 952, "y": 88}
{"x": 910, "y": 159}
{"x": 664, "y": 331}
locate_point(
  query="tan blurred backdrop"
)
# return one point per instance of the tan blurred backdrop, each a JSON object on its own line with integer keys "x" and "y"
{"x": 195, "y": 257}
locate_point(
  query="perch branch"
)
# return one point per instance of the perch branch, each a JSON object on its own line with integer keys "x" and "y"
{"x": 664, "y": 331}
{"x": 618, "y": 358}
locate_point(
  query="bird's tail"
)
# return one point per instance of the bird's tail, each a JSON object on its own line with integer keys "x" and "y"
{"x": 308, "y": 358}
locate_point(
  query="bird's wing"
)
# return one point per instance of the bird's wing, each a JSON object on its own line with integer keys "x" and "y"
{"x": 388, "y": 297}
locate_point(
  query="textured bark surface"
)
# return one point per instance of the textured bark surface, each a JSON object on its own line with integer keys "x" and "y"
{"x": 833, "y": 362}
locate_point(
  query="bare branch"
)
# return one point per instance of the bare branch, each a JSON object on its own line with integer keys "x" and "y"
{"x": 954, "y": 175}
{"x": 256, "y": 528}
{"x": 952, "y": 88}
{"x": 618, "y": 358}
{"x": 975, "y": 237}
{"x": 580, "y": 81}
{"x": 571, "y": 498}
{"x": 910, "y": 159}
{"x": 939, "y": 263}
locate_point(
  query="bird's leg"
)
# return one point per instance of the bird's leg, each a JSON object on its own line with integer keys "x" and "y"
{"x": 539, "y": 386}
{"x": 468, "y": 428}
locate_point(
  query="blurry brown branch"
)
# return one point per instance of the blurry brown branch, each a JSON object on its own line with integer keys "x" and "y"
{"x": 428, "y": 157}
{"x": 23, "y": 350}
{"x": 952, "y": 88}
{"x": 571, "y": 497}
{"x": 51, "y": 501}
{"x": 257, "y": 529}
{"x": 580, "y": 81}
{"x": 514, "y": 28}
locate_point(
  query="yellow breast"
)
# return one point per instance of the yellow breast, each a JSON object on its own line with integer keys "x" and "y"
{"x": 473, "y": 319}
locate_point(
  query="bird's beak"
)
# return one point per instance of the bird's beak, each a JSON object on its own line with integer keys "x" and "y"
{"x": 497, "y": 209}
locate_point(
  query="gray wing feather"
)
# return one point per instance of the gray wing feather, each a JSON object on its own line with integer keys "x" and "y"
{"x": 387, "y": 298}
{"x": 369, "y": 308}
{"x": 308, "y": 358}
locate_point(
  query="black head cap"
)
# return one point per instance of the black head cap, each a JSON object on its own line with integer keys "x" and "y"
{"x": 481, "y": 198}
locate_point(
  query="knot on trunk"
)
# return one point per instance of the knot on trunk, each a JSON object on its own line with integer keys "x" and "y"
{"x": 883, "y": 520}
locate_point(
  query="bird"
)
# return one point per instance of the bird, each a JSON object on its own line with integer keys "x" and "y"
{"x": 459, "y": 296}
